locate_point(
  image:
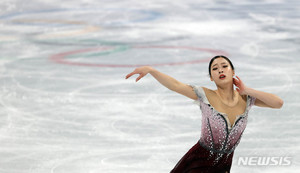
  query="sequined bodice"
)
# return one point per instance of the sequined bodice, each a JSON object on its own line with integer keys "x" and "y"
{"x": 217, "y": 135}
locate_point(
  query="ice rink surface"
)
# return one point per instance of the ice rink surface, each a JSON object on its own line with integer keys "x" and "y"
{"x": 65, "y": 105}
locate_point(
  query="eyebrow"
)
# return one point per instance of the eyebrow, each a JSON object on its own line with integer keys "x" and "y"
{"x": 221, "y": 63}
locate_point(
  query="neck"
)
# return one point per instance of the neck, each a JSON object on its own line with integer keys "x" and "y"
{"x": 226, "y": 93}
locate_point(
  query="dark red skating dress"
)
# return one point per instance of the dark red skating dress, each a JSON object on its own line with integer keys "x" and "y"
{"x": 214, "y": 151}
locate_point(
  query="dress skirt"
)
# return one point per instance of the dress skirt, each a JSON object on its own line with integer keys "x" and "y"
{"x": 200, "y": 160}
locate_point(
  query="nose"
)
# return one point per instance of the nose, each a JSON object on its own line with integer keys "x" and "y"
{"x": 220, "y": 71}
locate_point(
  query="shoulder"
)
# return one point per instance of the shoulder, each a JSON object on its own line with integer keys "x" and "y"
{"x": 200, "y": 91}
{"x": 208, "y": 91}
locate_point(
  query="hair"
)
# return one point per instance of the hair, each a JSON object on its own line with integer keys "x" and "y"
{"x": 219, "y": 56}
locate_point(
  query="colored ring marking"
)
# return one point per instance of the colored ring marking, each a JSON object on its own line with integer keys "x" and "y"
{"x": 61, "y": 57}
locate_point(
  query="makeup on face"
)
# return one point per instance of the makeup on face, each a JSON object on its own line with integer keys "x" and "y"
{"x": 215, "y": 60}
{"x": 219, "y": 68}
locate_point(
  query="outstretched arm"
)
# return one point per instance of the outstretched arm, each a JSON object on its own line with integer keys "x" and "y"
{"x": 263, "y": 99}
{"x": 165, "y": 80}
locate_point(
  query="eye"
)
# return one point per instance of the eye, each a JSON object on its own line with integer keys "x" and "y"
{"x": 225, "y": 66}
{"x": 215, "y": 68}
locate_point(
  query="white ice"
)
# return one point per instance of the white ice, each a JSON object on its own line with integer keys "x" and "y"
{"x": 82, "y": 116}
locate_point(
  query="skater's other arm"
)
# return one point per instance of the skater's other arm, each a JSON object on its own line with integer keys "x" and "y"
{"x": 165, "y": 80}
{"x": 263, "y": 99}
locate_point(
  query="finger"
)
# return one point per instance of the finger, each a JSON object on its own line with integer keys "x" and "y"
{"x": 234, "y": 83}
{"x": 234, "y": 80}
{"x": 238, "y": 90}
{"x": 238, "y": 78}
{"x": 127, "y": 76}
{"x": 130, "y": 74}
{"x": 137, "y": 79}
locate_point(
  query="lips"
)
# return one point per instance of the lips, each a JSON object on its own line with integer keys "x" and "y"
{"x": 222, "y": 76}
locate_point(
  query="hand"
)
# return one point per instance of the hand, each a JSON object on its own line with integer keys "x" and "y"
{"x": 143, "y": 71}
{"x": 241, "y": 88}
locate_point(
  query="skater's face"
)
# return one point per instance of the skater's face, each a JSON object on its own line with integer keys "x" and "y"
{"x": 221, "y": 71}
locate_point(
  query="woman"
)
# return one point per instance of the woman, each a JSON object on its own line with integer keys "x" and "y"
{"x": 224, "y": 114}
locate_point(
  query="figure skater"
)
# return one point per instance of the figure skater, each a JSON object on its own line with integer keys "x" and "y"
{"x": 224, "y": 114}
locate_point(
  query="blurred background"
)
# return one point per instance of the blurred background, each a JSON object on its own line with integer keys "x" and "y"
{"x": 65, "y": 105}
